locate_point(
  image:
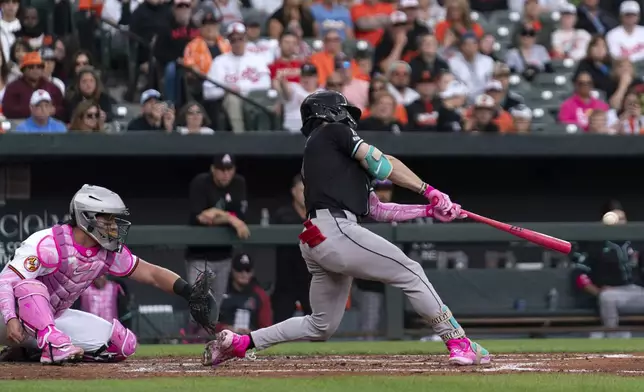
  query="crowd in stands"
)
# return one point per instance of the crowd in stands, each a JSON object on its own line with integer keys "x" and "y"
{"x": 204, "y": 66}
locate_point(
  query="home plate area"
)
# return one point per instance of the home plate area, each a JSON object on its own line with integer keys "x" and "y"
{"x": 285, "y": 366}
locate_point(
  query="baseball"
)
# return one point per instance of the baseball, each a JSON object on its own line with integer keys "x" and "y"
{"x": 610, "y": 218}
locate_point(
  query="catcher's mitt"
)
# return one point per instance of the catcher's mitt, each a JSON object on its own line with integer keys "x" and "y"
{"x": 203, "y": 307}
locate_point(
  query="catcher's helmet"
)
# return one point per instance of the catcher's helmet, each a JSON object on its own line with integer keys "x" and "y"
{"x": 330, "y": 106}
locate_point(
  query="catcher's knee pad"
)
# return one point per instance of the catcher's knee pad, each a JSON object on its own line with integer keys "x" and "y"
{"x": 122, "y": 342}
{"x": 34, "y": 309}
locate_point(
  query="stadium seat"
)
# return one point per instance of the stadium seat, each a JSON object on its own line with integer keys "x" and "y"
{"x": 541, "y": 118}
{"x": 519, "y": 85}
{"x": 566, "y": 66}
{"x": 126, "y": 111}
{"x": 503, "y": 18}
{"x": 256, "y": 119}
{"x": 562, "y": 129}
{"x": 550, "y": 80}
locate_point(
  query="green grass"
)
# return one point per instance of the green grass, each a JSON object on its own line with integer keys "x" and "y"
{"x": 417, "y": 347}
{"x": 460, "y": 383}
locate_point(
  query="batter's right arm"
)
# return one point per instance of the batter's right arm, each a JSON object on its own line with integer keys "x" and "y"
{"x": 382, "y": 165}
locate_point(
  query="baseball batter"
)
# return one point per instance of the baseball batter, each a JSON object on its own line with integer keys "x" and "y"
{"x": 54, "y": 266}
{"x": 337, "y": 169}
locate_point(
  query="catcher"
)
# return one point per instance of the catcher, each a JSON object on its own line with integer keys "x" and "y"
{"x": 54, "y": 266}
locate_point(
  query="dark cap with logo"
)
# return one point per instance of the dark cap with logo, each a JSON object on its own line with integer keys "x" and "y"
{"x": 308, "y": 69}
{"x": 223, "y": 161}
{"x": 242, "y": 262}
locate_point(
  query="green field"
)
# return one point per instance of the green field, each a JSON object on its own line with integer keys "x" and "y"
{"x": 461, "y": 382}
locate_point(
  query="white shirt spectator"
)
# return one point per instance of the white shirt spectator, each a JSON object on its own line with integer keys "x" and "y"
{"x": 245, "y": 73}
{"x": 112, "y": 11}
{"x": 407, "y": 97}
{"x": 537, "y": 56}
{"x": 202, "y": 131}
{"x": 265, "y": 48}
{"x": 572, "y": 43}
{"x": 267, "y": 6}
{"x": 546, "y": 5}
{"x": 624, "y": 45}
{"x": 7, "y": 35}
{"x": 292, "y": 116}
{"x": 474, "y": 75}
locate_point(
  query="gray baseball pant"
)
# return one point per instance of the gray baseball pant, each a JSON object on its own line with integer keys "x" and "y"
{"x": 350, "y": 251}
{"x": 620, "y": 298}
{"x": 221, "y": 268}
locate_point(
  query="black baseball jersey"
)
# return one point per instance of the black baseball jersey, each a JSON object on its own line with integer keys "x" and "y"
{"x": 609, "y": 264}
{"x": 332, "y": 178}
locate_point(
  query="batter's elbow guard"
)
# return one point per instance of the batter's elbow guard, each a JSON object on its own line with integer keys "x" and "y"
{"x": 378, "y": 164}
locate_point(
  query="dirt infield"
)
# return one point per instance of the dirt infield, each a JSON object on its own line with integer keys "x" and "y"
{"x": 284, "y": 366}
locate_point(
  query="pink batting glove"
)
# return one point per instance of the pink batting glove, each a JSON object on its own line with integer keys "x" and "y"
{"x": 453, "y": 213}
{"x": 439, "y": 200}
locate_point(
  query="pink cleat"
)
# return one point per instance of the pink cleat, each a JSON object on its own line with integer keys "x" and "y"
{"x": 57, "y": 348}
{"x": 465, "y": 352}
{"x": 227, "y": 345}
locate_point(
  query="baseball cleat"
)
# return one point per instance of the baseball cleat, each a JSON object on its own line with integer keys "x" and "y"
{"x": 227, "y": 345}
{"x": 465, "y": 352}
{"x": 57, "y": 348}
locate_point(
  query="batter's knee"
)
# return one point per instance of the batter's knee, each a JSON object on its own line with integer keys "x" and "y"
{"x": 322, "y": 329}
{"x": 608, "y": 298}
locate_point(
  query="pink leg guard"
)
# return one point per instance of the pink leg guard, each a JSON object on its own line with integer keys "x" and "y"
{"x": 34, "y": 309}
{"x": 122, "y": 343}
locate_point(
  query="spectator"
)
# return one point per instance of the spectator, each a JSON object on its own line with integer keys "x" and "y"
{"x": 457, "y": 19}
{"x": 18, "y": 93}
{"x": 200, "y": 52}
{"x": 423, "y": 112}
{"x": 239, "y": 71}
{"x": 32, "y": 30}
{"x": 217, "y": 198}
{"x": 17, "y": 52}
{"x": 443, "y": 79}
{"x": 40, "y": 121}
{"x": 529, "y": 58}
{"x": 568, "y": 41}
{"x": 80, "y": 60}
{"x": 482, "y": 119}
{"x": 530, "y": 20}
{"x": 286, "y": 66}
{"x": 598, "y": 64}
{"x": 510, "y": 99}
{"x": 6, "y": 76}
{"x": 576, "y": 109}
{"x": 150, "y": 19}
{"x": 610, "y": 274}
{"x": 486, "y": 46}
{"x": 471, "y": 67}
{"x": 370, "y": 18}
{"x": 267, "y": 48}
{"x": 292, "y": 278}
{"x": 89, "y": 87}
{"x": 364, "y": 61}
{"x": 246, "y": 306}
{"x": 266, "y": 7}
{"x": 171, "y": 44}
{"x": 335, "y": 82}
{"x": 544, "y": 5}
{"x": 452, "y": 105}
{"x": 229, "y": 9}
{"x": 355, "y": 90}
{"x": 304, "y": 50}
{"x": 382, "y": 115}
{"x": 49, "y": 59}
{"x": 293, "y": 14}
{"x": 400, "y": 40}
{"x": 427, "y": 59}
{"x": 628, "y": 119}
{"x": 294, "y": 94}
{"x": 449, "y": 47}
{"x": 9, "y": 25}
{"x": 627, "y": 40}
{"x": 501, "y": 118}
{"x": 118, "y": 12}
{"x": 326, "y": 59}
{"x": 598, "y": 123}
{"x": 399, "y": 75}
{"x": 329, "y": 15}
{"x": 378, "y": 84}
{"x": 60, "y": 52}
{"x": 102, "y": 298}
{"x": 522, "y": 119}
{"x": 194, "y": 120}
{"x": 87, "y": 117}
{"x": 593, "y": 19}
{"x": 155, "y": 116}
{"x": 624, "y": 80}
{"x": 431, "y": 12}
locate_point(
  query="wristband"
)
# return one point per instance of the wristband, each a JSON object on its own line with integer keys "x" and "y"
{"x": 182, "y": 289}
{"x": 425, "y": 189}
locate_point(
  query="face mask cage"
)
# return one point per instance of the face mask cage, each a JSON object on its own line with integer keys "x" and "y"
{"x": 109, "y": 231}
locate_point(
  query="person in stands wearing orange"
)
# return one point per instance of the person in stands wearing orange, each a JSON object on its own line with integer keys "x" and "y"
{"x": 458, "y": 20}
{"x": 370, "y": 19}
{"x": 199, "y": 52}
{"x": 501, "y": 118}
{"x": 325, "y": 60}
{"x": 379, "y": 84}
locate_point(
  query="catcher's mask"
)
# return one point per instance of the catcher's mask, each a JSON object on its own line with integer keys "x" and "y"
{"x": 96, "y": 211}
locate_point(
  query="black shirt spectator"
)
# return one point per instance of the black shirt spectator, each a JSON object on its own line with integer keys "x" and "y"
{"x": 148, "y": 20}
{"x": 157, "y": 116}
{"x": 172, "y": 40}
{"x": 387, "y": 43}
{"x": 422, "y": 114}
{"x": 597, "y": 63}
{"x": 427, "y": 59}
{"x": 593, "y": 19}
{"x": 292, "y": 17}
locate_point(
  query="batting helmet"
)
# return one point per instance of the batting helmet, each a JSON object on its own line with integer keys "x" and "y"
{"x": 330, "y": 106}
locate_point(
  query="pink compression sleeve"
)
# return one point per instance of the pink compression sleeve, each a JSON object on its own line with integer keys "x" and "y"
{"x": 8, "y": 279}
{"x": 392, "y": 212}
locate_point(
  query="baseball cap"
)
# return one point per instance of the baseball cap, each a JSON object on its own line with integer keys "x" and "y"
{"x": 47, "y": 54}
{"x": 425, "y": 77}
{"x": 235, "y": 28}
{"x": 454, "y": 89}
{"x": 150, "y": 94}
{"x": 484, "y": 101}
{"x": 629, "y": 7}
{"x": 209, "y": 18}
{"x": 39, "y": 96}
{"x": 521, "y": 111}
{"x": 568, "y": 9}
{"x": 30, "y": 58}
{"x": 493, "y": 85}
{"x": 308, "y": 69}
{"x": 223, "y": 161}
{"x": 408, "y": 4}
{"x": 242, "y": 262}
{"x": 398, "y": 18}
